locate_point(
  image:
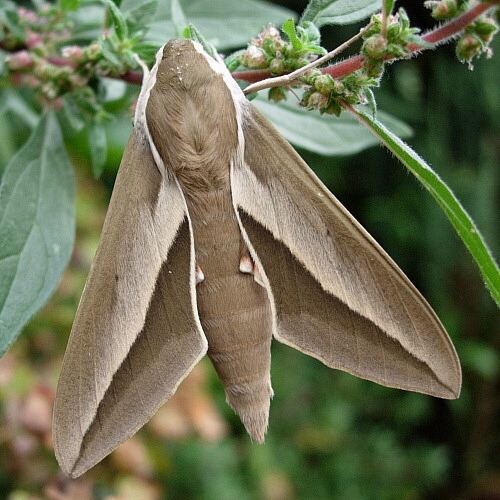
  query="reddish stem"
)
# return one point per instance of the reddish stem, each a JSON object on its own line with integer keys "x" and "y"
{"x": 60, "y": 61}
{"x": 453, "y": 28}
{"x": 343, "y": 68}
{"x": 252, "y": 76}
{"x": 134, "y": 77}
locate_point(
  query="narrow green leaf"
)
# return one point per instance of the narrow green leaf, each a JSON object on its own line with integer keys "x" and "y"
{"x": 37, "y": 226}
{"x": 325, "y": 12}
{"x": 372, "y": 103}
{"x": 98, "y": 147}
{"x": 146, "y": 50}
{"x": 119, "y": 21}
{"x": 388, "y": 6}
{"x": 289, "y": 28}
{"x": 457, "y": 215}
{"x": 192, "y": 33}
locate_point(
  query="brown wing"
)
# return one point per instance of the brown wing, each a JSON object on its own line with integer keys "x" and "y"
{"x": 136, "y": 334}
{"x": 336, "y": 294}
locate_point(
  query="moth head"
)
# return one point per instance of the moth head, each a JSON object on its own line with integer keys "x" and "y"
{"x": 181, "y": 66}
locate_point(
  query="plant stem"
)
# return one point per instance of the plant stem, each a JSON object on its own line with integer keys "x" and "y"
{"x": 289, "y": 78}
{"x": 438, "y": 35}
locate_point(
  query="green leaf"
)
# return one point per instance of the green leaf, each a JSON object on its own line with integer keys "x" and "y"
{"x": 72, "y": 114}
{"x": 289, "y": 28}
{"x": 146, "y": 50}
{"x": 69, "y": 5}
{"x": 9, "y": 17}
{"x": 87, "y": 22}
{"x": 98, "y": 147}
{"x": 118, "y": 18}
{"x": 178, "y": 17}
{"x": 140, "y": 16}
{"x": 37, "y": 226}
{"x": 311, "y": 32}
{"x": 108, "y": 51}
{"x": 452, "y": 208}
{"x": 325, "y": 12}
{"x": 226, "y": 24}
{"x": 13, "y": 103}
{"x": 192, "y": 33}
{"x": 323, "y": 134}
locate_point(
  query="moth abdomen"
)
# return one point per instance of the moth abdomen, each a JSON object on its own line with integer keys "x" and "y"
{"x": 234, "y": 311}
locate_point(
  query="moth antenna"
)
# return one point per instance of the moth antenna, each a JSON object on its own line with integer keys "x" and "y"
{"x": 143, "y": 66}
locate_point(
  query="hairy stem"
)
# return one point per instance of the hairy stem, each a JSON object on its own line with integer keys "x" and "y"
{"x": 438, "y": 35}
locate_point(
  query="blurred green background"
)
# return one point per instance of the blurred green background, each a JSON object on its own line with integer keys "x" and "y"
{"x": 331, "y": 436}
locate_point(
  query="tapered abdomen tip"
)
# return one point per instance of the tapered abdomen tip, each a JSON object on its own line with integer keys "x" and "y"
{"x": 251, "y": 402}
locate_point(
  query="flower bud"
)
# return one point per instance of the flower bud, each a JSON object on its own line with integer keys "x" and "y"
{"x": 26, "y": 15}
{"x": 375, "y": 47}
{"x": 33, "y": 40}
{"x": 443, "y": 9}
{"x": 20, "y": 60}
{"x": 277, "y": 66}
{"x": 253, "y": 58}
{"x": 92, "y": 52}
{"x": 485, "y": 29}
{"x": 73, "y": 53}
{"x": 277, "y": 94}
{"x": 316, "y": 101}
{"x": 77, "y": 80}
{"x": 49, "y": 90}
{"x": 270, "y": 32}
{"x": 324, "y": 84}
{"x": 468, "y": 47}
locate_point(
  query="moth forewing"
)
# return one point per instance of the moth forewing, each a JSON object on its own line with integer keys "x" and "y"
{"x": 330, "y": 278}
{"x": 136, "y": 334}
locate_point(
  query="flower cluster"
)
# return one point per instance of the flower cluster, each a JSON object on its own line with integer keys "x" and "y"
{"x": 269, "y": 51}
{"x": 445, "y": 9}
{"x": 477, "y": 36}
{"x": 327, "y": 94}
{"x": 43, "y": 61}
{"x": 476, "y": 40}
{"x": 43, "y": 57}
{"x": 390, "y": 37}
{"x": 387, "y": 38}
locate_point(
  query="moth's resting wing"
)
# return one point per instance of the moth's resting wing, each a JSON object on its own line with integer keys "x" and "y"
{"x": 336, "y": 295}
{"x": 136, "y": 334}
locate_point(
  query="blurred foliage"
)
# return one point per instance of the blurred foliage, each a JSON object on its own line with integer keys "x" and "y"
{"x": 331, "y": 436}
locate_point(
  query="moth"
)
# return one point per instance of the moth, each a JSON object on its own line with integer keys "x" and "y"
{"x": 219, "y": 237}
